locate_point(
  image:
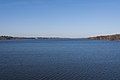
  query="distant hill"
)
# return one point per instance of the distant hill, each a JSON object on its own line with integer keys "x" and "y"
{"x": 107, "y": 37}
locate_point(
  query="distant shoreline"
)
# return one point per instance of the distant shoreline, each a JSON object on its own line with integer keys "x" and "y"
{"x": 106, "y": 37}
{"x": 35, "y": 38}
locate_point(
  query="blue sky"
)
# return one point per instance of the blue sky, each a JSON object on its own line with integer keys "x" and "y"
{"x": 61, "y": 18}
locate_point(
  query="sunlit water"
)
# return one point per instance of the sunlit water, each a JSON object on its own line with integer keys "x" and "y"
{"x": 59, "y": 60}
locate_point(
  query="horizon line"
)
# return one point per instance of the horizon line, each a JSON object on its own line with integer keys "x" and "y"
{"x": 57, "y": 36}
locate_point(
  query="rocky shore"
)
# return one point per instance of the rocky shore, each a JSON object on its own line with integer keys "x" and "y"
{"x": 107, "y": 37}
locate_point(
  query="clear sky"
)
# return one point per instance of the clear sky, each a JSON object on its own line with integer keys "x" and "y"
{"x": 61, "y": 18}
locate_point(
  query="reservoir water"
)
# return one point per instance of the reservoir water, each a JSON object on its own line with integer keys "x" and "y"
{"x": 59, "y": 60}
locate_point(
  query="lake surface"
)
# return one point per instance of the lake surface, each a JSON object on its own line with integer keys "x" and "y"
{"x": 59, "y": 60}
